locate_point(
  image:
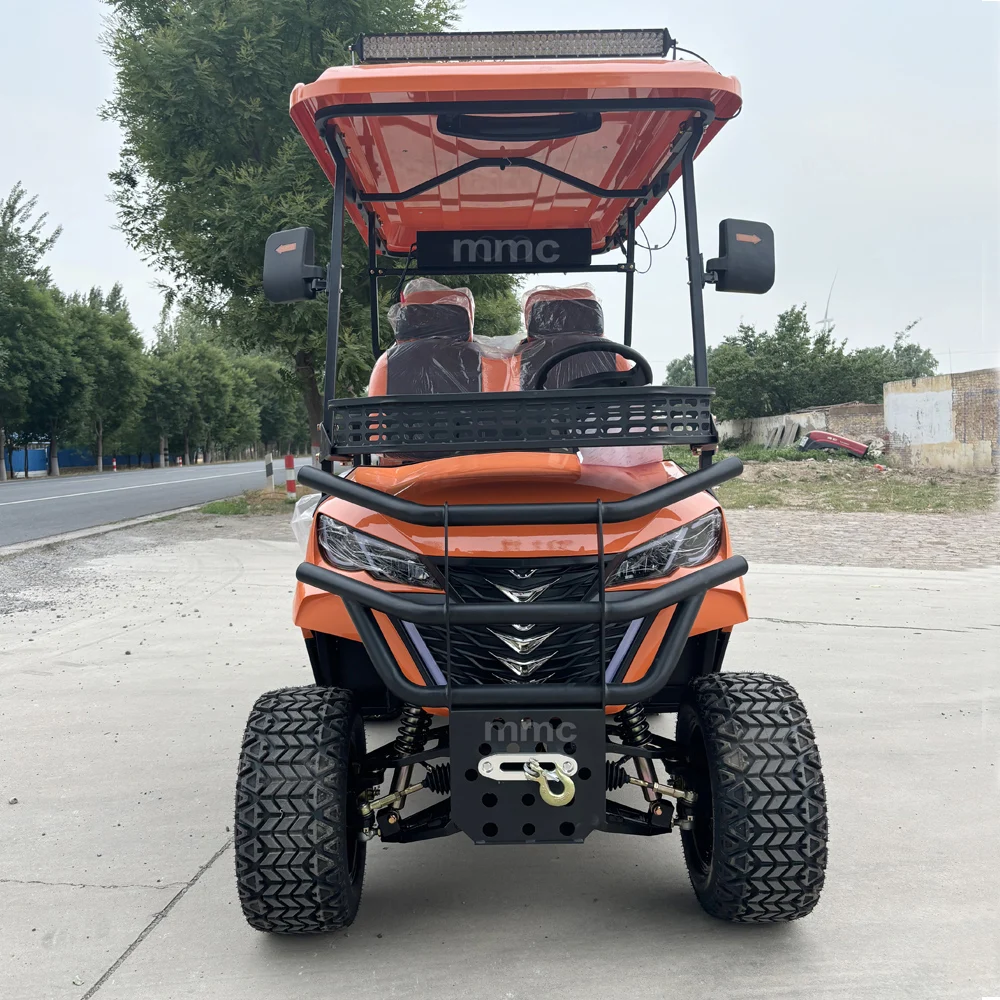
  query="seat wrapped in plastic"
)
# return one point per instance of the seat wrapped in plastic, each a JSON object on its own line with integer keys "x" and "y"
{"x": 434, "y": 351}
{"x": 556, "y": 318}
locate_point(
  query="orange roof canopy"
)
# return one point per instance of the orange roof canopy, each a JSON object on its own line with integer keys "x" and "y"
{"x": 392, "y": 153}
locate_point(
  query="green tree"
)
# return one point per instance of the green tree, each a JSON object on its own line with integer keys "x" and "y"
{"x": 905, "y": 359}
{"x": 59, "y": 403}
{"x": 788, "y": 368}
{"x": 211, "y": 163}
{"x": 680, "y": 371}
{"x": 24, "y": 306}
{"x": 111, "y": 351}
{"x": 284, "y": 426}
{"x": 23, "y": 243}
{"x": 170, "y": 398}
{"x": 31, "y": 332}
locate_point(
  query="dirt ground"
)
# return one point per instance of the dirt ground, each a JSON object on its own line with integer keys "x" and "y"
{"x": 900, "y": 541}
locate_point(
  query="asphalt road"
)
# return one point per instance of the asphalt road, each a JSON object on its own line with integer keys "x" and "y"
{"x": 42, "y": 507}
{"x": 128, "y": 667}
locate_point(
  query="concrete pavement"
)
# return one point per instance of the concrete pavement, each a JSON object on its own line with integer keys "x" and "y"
{"x": 38, "y": 508}
{"x": 125, "y": 681}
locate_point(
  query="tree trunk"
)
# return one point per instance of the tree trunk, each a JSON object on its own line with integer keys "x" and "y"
{"x": 305, "y": 369}
{"x": 163, "y": 452}
{"x": 100, "y": 445}
{"x": 53, "y": 454}
{"x": 187, "y": 450}
{"x": 3, "y": 455}
{"x": 25, "y": 456}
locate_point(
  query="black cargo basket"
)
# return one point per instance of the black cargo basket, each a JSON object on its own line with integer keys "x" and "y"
{"x": 532, "y": 420}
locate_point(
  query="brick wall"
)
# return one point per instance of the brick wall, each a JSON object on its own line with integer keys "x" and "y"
{"x": 975, "y": 405}
{"x": 945, "y": 421}
{"x": 861, "y": 421}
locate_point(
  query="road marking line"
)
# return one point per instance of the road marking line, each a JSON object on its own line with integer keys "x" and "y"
{"x": 141, "y": 486}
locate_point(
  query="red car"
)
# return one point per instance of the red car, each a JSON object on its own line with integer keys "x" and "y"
{"x": 833, "y": 442}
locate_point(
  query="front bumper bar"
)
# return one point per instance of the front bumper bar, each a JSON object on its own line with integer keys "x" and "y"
{"x": 687, "y": 594}
{"x": 626, "y": 606}
{"x": 495, "y": 514}
{"x": 362, "y": 599}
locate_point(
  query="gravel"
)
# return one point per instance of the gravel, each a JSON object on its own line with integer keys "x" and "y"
{"x": 41, "y": 579}
{"x": 900, "y": 541}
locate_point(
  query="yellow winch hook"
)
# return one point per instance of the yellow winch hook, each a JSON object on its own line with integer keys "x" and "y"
{"x": 534, "y": 771}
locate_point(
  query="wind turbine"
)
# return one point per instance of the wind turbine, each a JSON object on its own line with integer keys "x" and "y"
{"x": 826, "y": 323}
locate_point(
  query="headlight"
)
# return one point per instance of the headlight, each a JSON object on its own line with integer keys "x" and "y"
{"x": 689, "y": 545}
{"x": 350, "y": 549}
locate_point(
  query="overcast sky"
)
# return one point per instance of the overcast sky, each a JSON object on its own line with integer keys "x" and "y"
{"x": 868, "y": 140}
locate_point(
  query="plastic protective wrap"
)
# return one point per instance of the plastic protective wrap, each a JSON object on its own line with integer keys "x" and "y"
{"x": 302, "y": 518}
{"x": 433, "y": 365}
{"x": 557, "y": 318}
{"x": 427, "y": 291}
{"x": 499, "y": 362}
{"x": 575, "y": 309}
{"x": 434, "y": 351}
{"x": 623, "y": 456}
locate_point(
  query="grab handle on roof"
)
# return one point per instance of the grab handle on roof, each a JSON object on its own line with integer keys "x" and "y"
{"x": 510, "y": 128}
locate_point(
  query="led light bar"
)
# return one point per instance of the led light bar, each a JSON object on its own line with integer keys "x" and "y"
{"x": 464, "y": 45}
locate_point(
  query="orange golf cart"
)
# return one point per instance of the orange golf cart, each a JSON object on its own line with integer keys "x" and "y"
{"x": 507, "y": 564}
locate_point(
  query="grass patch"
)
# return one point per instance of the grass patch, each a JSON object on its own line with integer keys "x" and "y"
{"x": 255, "y": 502}
{"x": 865, "y": 491}
{"x": 757, "y": 453}
{"x": 234, "y": 505}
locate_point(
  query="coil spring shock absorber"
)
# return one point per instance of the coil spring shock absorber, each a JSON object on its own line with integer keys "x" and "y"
{"x": 414, "y": 724}
{"x": 635, "y": 731}
{"x": 634, "y": 724}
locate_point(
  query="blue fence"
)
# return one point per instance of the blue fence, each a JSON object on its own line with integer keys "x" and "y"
{"x": 73, "y": 458}
{"x": 37, "y": 460}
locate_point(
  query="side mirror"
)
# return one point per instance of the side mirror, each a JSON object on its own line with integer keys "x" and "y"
{"x": 289, "y": 272}
{"x": 746, "y": 257}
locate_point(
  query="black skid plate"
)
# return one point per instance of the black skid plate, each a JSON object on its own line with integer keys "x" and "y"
{"x": 512, "y": 812}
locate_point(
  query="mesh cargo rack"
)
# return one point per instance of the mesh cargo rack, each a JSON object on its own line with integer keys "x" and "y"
{"x": 531, "y": 420}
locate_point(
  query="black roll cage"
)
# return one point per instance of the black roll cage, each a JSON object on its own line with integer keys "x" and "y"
{"x": 652, "y": 414}
{"x": 682, "y": 152}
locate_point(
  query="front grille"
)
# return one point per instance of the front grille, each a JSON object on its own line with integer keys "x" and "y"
{"x": 491, "y": 654}
{"x": 475, "y": 580}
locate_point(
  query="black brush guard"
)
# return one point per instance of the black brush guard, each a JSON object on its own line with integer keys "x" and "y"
{"x": 686, "y": 594}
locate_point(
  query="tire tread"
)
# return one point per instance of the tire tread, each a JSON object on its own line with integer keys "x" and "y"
{"x": 770, "y": 838}
{"x": 292, "y": 868}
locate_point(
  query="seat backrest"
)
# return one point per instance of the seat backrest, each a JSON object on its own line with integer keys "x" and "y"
{"x": 433, "y": 352}
{"x": 556, "y": 318}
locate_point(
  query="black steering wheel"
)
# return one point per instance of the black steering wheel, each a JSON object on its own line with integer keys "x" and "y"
{"x": 641, "y": 374}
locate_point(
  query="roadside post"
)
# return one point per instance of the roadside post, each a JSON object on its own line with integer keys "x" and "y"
{"x": 269, "y": 471}
{"x": 290, "y": 475}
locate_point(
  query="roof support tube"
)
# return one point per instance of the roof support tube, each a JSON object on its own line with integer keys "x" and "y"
{"x": 696, "y": 264}
{"x": 334, "y": 277}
